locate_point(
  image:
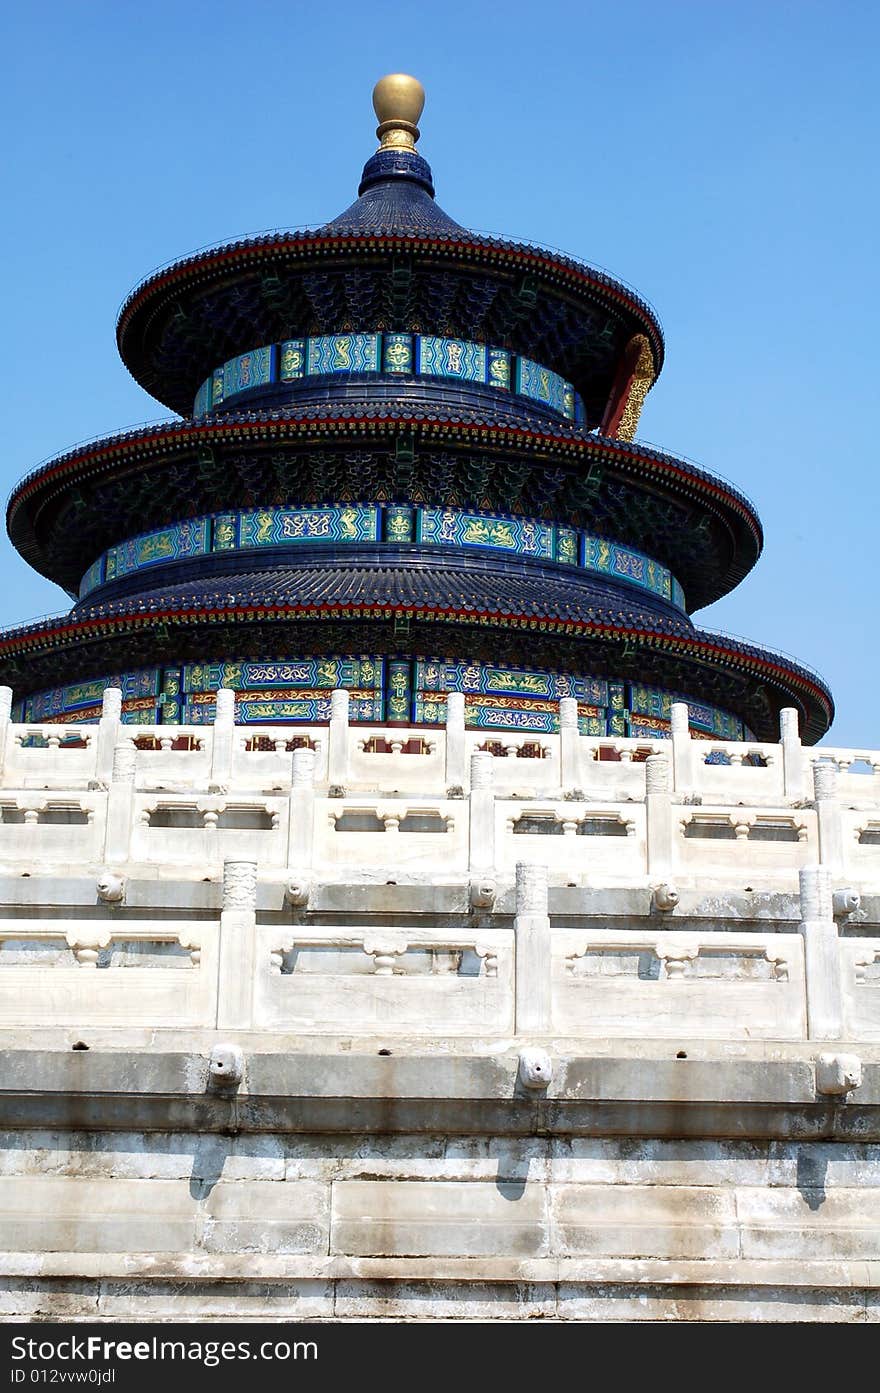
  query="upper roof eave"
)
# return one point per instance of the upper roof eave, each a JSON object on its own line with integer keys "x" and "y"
{"x": 213, "y": 263}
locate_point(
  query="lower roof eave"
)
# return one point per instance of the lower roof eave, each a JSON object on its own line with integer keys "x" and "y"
{"x": 22, "y": 648}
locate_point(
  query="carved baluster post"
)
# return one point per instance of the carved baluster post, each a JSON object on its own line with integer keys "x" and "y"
{"x": 108, "y": 734}
{"x": 223, "y": 741}
{"x": 821, "y": 955}
{"x": 569, "y": 744}
{"x": 682, "y": 749}
{"x": 86, "y": 944}
{"x": 792, "y": 755}
{"x": 828, "y": 816}
{"x": 238, "y": 920}
{"x": 301, "y": 822}
{"x": 337, "y": 740}
{"x": 675, "y": 955}
{"x": 481, "y": 846}
{"x": 120, "y": 805}
{"x": 5, "y": 717}
{"x": 658, "y": 815}
{"x": 532, "y": 933}
{"x": 456, "y": 768}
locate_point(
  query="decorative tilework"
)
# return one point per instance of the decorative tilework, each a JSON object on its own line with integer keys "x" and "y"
{"x": 649, "y": 727}
{"x": 498, "y": 369}
{"x": 399, "y": 524}
{"x": 292, "y": 360}
{"x": 225, "y": 531}
{"x": 92, "y": 577}
{"x": 591, "y": 721}
{"x": 482, "y": 713}
{"x": 254, "y": 369}
{"x": 703, "y": 717}
{"x": 439, "y": 676}
{"x": 623, "y": 563}
{"x": 343, "y": 353}
{"x": 311, "y": 708}
{"x": 320, "y": 673}
{"x": 657, "y": 704}
{"x": 170, "y": 697}
{"x": 436, "y": 357}
{"x": 146, "y": 715}
{"x": 449, "y": 526}
{"x": 428, "y": 708}
{"x": 359, "y": 522}
{"x": 397, "y": 353}
{"x": 182, "y": 540}
{"x": 592, "y": 690}
{"x": 567, "y": 546}
{"x": 282, "y": 527}
{"x": 203, "y": 401}
{"x": 80, "y": 696}
{"x": 399, "y": 679}
{"x": 380, "y": 689}
{"x": 140, "y": 711}
{"x": 650, "y": 701}
{"x": 529, "y": 716}
{"x": 539, "y": 383}
{"x": 426, "y": 354}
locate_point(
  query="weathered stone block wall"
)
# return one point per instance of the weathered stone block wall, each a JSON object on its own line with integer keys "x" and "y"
{"x": 172, "y": 1225}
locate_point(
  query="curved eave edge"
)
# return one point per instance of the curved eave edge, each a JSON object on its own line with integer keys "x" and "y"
{"x": 101, "y": 454}
{"x": 555, "y": 267}
{"x": 700, "y": 648}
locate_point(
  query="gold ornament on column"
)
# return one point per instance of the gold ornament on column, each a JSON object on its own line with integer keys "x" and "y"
{"x": 398, "y": 101}
{"x": 641, "y": 383}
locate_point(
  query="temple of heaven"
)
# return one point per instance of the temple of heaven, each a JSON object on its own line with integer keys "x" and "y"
{"x": 403, "y": 462}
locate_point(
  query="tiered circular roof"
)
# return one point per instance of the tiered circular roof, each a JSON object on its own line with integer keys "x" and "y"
{"x": 394, "y": 262}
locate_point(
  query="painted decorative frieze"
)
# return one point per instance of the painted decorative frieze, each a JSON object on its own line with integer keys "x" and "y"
{"x": 396, "y": 689}
{"x": 419, "y": 355}
{"x": 351, "y": 523}
{"x": 446, "y": 526}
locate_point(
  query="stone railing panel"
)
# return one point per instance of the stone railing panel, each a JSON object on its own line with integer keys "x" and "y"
{"x": 38, "y": 831}
{"x": 733, "y": 771}
{"x": 767, "y": 845}
{"x": 570, "y": 837}
{"x": 386, "y": 834}
{"x": 860, "y": 987}
{"x": 181, "y": 829}
{"x": 262, "y": 755}
{"x": 391, "y": 981}
{"x": 175, "y": 755}
{"x": 83, "y": 973}
{"x": 687, "y": 985}
{"x": 50, "y": 756}
{"x": 525, "y": 764}
{"x": 615, "y": 769}
{"x": 860, "y": 836}
{"x": 398, "y": 761}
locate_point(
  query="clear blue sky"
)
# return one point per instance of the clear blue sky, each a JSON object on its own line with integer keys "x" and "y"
{"x": 720, "y": 158}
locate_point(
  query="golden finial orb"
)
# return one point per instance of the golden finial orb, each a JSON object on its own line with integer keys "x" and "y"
{"x": 398, "y": 101}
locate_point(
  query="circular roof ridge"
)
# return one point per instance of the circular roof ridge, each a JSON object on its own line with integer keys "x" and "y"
{"x": 452, "y": 236}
